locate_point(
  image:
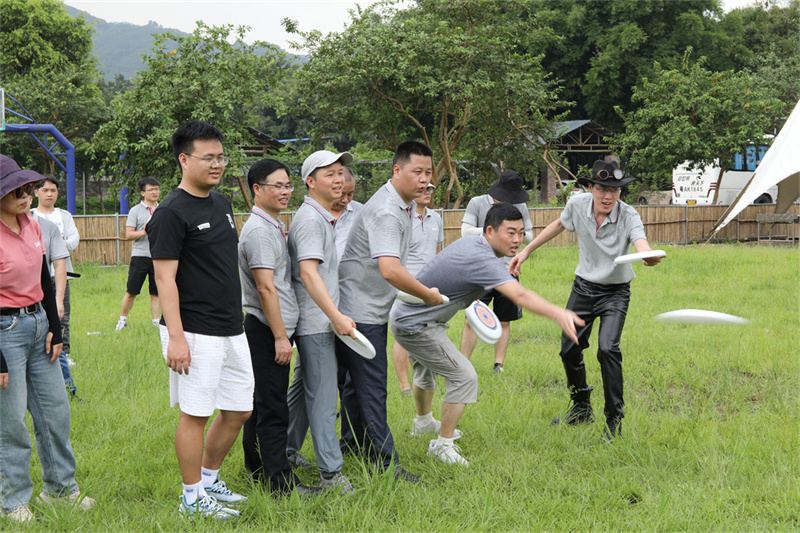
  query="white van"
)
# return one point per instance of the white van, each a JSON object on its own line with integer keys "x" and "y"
{"x": 697, "y": 186}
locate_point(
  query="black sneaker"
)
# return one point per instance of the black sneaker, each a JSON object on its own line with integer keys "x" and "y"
{"x": 579, "y": 414}
{"x": 401, "y": 474}
{"x": 497, "y": 368}
{"x": 612, "y": 431}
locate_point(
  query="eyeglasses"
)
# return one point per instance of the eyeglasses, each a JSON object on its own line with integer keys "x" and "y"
{"x": 278, "y": 186}
{"x": 221, "y": 160}
{"x": 25, "y": 190}
{"x": 604, "y": 174}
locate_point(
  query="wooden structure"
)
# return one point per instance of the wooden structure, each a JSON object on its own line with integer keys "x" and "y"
{"x": 101, "y": 240}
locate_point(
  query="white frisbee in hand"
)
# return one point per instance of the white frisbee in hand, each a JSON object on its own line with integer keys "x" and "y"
{"x": 632, "y": 258}
{"x": 483, "y": 322}
{"x": 411, "y": 299}
{"x": 360, "y": 344}
{"x": 700, "y": 316}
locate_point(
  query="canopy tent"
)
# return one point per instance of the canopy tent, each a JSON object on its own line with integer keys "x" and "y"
{"x": 781, "y": 166}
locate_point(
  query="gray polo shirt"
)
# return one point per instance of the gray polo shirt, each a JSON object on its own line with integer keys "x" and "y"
{"x": 311, "y": 236}
{"x": 138, "y": 217}
{"x": 464, "y": 271}
{"x": 54, "y": 245}
{"x": 382, "y": 229}
{"x": 475, "y": 215}
{"x": 599, "y": 246}
{"x": 344, "y": 225}
{"x": 262, "y": 244}
{"x": 427, "y": 231}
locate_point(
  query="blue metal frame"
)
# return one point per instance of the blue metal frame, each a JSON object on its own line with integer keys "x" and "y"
{"x": 48, "y": 129}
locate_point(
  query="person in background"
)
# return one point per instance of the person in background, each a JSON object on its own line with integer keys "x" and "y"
{"x": 141, "y": 262}
{"x": 606, "y": 227}
{"x": 47, "y": 193}
{"x": 194, "y": 246}
{"x": 344, "y": 210}
{"x": 30, "y": 343}
{"x": 508, "y": 188}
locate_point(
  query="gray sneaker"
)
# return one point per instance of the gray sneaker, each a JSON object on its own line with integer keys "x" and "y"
{"x": 206, "y": 507}
{"x": 338, "y": 480}
{"x": 298, "y": 460}
{"x": 431, "y": 428}
{"x": 220, "y": 491}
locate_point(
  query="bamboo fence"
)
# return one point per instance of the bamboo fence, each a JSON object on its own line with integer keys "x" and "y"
{"x": 103, "y": 236}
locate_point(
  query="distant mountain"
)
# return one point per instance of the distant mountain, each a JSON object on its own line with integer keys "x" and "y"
{"x": 119, "y": 46}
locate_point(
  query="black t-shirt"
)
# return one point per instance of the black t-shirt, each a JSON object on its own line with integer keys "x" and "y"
{"x": 201, "y": 235}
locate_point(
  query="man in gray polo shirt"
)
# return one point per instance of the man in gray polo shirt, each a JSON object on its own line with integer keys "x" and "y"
{"x": 371, "y": 272}
{"x": 344, "y": 210}
{"x": 272, "y": 312}
{"x": 464, "y": 271}
{"x": 606, "y": 228}
{"x": 314, "y": 392}
{"x": 141, "y": 263}
{"x": 508, "y": 188}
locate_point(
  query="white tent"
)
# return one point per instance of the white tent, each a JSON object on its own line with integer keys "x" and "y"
{"x": 781, "y": 166}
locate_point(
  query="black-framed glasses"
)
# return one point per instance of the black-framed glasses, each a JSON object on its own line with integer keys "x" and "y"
{"x": 288, "y": 187}
{"x": 25, "y": 190}
{"x": 604, "y": 174}
{"x": 210, "y": 160}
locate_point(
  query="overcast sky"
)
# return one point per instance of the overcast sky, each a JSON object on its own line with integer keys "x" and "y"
{"x": 263, "y": 16}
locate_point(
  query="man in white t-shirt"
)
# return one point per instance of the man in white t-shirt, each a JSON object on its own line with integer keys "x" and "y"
{"x": 47, "y": 193}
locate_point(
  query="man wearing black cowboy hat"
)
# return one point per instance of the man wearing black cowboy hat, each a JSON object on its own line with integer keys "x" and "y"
{"x": 506, "y": 189}
{"x": 606, "y": 227}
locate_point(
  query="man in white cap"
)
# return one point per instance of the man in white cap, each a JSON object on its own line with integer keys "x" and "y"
{"x": 508, "y": 188}
{"x": 606, "y": 227}
{"x": 313, "y": 393}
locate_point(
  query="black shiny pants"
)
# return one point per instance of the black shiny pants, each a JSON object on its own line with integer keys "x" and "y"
{"x": 609, "y": 303}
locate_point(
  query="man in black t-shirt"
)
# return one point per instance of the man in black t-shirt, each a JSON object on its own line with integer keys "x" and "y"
{"x": 193, "y": 242}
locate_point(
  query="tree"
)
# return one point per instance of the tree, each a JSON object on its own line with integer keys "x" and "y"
{"x": 693, "y": 114}
{"x": 200, "y": 76}
{"x": 49, "y": 69}
{"x": 605, "y": 48}
{"x": 441, "y": 71}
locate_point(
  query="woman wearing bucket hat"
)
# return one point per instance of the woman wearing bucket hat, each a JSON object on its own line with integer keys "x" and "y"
{"x": 30, "y": 341}
{"x": 606, "y": 228}
{"x": 508, "y": 188}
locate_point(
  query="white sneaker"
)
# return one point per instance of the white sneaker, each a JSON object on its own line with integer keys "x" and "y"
{"x": 83, "y": 503}
{"x": 155, "y": 322}
{"x": 339, "y": 480}
{"x": 220, "y": 492}
{"x": 120, "y": 325}
{"x": 449, "y": 454}
{"x": 206, "y": 507}
{"x": 431, "y": 428}
{"x": 20, "y": 514}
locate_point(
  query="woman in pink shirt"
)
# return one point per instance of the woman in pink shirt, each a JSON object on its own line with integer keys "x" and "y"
{"x": 30, "y": 343}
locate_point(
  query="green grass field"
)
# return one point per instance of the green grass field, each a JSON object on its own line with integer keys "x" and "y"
{"x": 710, "y": 439}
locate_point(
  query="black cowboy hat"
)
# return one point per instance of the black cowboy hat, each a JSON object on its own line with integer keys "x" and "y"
{"x": 606, "y": 173}
{"x": 509, "y": 188}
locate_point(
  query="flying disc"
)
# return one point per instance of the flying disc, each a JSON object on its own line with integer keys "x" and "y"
{"x": 632, "y": 258}
{"x": 360, "y": 344}
{"x": 700, "y": 316}
{"x": 483, "y": 322}
{"x": 408, "y": 298}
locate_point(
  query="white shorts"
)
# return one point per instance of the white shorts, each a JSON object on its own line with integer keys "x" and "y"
{"x": 220, "y": 375}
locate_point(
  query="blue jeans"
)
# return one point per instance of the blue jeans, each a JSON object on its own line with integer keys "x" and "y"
{"x": 35, "y": 384}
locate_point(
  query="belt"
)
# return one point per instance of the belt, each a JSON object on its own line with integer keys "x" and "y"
{"x": 11, "y": 311}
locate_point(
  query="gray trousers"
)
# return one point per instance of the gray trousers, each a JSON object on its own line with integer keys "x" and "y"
{"x": 313, "y": 397}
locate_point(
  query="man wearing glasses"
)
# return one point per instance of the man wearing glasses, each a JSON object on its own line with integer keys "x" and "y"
{"x": 141, "y": 262}
{"x": 194, "y": 245}
{"x": 606, "y": 228}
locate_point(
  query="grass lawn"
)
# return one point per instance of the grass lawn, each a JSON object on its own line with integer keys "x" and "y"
{"x": 710, "y": 439}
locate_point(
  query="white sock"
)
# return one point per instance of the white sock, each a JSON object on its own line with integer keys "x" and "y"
{"x": 444, "y": 441}
{"x": 155, "y": 321}
{"x": 191, "y": 492}
{"x": 425, "y": 419}
{"x": 209, "y": 476}
{"x": 123, "y": 318}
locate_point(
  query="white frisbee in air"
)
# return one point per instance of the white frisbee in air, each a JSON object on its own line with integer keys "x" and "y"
{"x": 483, "y": 322}
{"x": 360, "y": 344}
{"x": 700, "y": 316}
{"x": 632, "y": 258}
{"x": 411, "y": 299}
